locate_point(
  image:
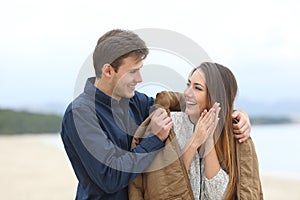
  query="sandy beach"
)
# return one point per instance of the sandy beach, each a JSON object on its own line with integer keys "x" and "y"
{"x": 35, "y": 167}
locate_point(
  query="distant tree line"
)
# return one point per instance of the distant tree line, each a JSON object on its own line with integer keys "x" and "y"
{"x": 18, "y": 122}
{"x": 263, "y": 120}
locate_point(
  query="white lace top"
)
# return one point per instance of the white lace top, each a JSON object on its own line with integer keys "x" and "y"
{"x": 202, "y": 187}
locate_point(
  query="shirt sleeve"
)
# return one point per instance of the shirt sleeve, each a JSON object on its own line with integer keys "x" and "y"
{"x": 108, "y": 166}
{"x": 215, "y": 188}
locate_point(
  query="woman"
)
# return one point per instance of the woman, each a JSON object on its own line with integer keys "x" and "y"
{"x": 218, "y": 168}
{"x": 210, "y": 154}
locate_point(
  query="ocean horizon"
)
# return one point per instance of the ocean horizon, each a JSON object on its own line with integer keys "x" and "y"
{"x": 276, "y": 145}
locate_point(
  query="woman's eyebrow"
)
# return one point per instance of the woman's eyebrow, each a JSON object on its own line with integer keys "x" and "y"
{"x": 199, "y": 84}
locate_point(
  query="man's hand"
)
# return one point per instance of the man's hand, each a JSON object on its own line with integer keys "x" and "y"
{"x": 161, "y": 124}
{"x": 242, "y": 128}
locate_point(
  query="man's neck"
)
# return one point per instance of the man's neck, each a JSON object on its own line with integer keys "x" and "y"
{"x": 105, "y": 87}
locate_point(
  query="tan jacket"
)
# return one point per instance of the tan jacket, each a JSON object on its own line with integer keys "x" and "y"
{"x": 249, "y": 185}
{"x": 167, "y": 178}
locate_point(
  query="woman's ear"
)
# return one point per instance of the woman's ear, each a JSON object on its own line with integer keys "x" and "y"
{"x": 107, "y": 70}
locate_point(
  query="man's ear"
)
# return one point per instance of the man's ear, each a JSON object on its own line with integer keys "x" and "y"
{"x": 107, "y": 70}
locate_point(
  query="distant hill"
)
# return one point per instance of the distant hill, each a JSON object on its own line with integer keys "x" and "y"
{"x": 257, "y": 108}
{"x": 271, "y": 120}
{"x": 18, "y": 122}
{"x": 278, "y": 109}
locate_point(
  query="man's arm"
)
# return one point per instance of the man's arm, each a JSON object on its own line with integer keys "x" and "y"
{"x": 110, "y": 167}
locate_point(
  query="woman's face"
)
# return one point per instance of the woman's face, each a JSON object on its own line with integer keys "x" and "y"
{"x": 196, "y": 95}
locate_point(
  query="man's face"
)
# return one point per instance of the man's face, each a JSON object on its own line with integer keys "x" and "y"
{"x": 127, "y": 77}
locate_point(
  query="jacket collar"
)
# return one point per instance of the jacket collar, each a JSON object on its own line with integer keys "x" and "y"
{"x": 100, "y": 96}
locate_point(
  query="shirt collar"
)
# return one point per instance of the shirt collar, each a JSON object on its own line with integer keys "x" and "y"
{"x": 100, "y": 96}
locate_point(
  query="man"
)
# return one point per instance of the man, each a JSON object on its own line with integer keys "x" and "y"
{"x": 98, "y": 125}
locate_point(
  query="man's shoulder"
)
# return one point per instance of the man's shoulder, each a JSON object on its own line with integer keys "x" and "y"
{"x": 83, "y": 101}
{"x": 142, "y": 98}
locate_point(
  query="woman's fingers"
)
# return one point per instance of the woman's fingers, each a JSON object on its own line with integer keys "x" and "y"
{"x": 207, "y": 117}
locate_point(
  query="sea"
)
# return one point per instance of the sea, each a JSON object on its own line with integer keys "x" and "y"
{"x": 278, "y": 148}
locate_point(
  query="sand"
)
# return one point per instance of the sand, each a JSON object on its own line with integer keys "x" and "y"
{"x": 35, "y": 167}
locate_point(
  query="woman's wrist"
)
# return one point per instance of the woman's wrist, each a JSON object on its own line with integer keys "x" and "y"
{"x": 195, "y": 143}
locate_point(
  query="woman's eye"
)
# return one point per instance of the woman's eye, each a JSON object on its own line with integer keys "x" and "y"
{"x": 197, "y": 88}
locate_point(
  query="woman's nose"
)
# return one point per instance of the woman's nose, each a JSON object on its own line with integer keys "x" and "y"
{"x": 187, "y": 92}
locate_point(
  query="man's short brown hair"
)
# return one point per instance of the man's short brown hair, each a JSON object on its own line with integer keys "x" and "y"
{"x": 116, "y": 45}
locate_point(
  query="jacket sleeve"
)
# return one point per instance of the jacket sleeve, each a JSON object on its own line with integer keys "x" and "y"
{"x": 136, "y": 187}
{"x": 170, "y": 101}
{"x": 249, "y": 184}
{"x": 110, "y": 167}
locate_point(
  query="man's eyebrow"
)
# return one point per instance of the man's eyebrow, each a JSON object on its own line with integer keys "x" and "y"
{"x": 141, "y": 66}
{"x": 136, "y": 68}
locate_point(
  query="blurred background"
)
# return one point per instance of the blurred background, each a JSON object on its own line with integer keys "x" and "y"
{"x": 44, "y": 44}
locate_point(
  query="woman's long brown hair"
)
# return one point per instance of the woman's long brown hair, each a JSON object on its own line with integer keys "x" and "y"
{"x": 222, "y": 88}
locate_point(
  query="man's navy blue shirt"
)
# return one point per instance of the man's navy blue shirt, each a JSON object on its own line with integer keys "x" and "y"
{"x": 97, "y": 134}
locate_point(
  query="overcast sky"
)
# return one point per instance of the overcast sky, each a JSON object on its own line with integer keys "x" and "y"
{"x": 43, "y": 44}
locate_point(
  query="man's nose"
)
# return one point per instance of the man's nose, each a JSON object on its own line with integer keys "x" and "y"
{"x": 138, "y": 77}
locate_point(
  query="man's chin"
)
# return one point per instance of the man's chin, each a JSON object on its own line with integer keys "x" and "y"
{"x": 130, "y": 95}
